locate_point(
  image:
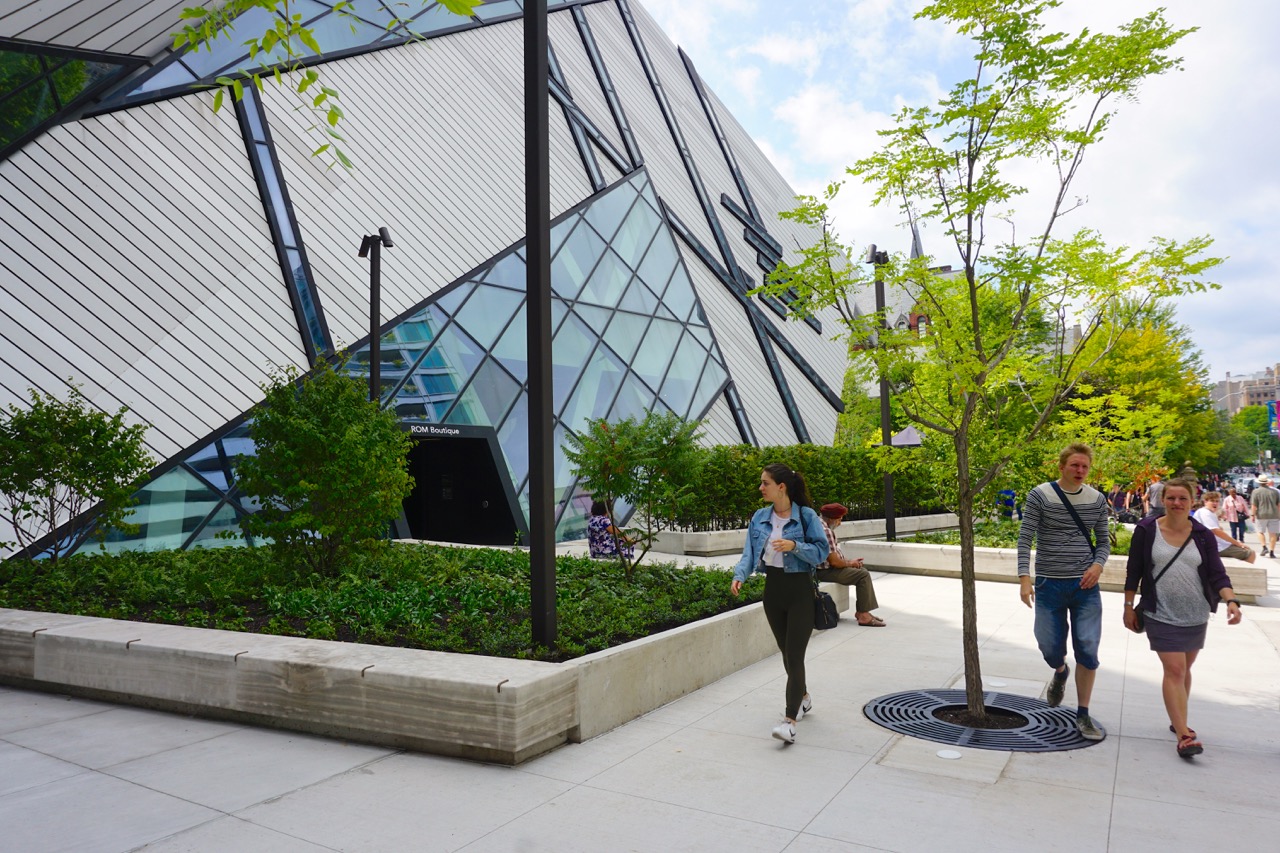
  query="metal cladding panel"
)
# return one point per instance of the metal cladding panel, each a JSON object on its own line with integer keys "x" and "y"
{"x": 728, "y": 319}
{"x": 436, "y": 132}
{"x": 718, "y": 425}
{"x": 142, "y": 268}
{"x": 657, "y": 147}
{"x": 819, "y": 416}
{"x": 578, "y": 72}
{"x": 137, "y": 27}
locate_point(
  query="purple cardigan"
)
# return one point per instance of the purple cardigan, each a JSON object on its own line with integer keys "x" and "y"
{"x": 1213, "y": 576}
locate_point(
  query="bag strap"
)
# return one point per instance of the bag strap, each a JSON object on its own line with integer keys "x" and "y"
{"x": 1176, "y": 555}
{"x": 1075, "y": 516}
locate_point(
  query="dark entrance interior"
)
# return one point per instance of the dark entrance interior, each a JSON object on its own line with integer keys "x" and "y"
{"x": 457, "y": 494}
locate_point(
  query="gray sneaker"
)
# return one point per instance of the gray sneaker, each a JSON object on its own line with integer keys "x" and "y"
{"x": 1058, "y": 687}
{"x": 1087, "y": 729}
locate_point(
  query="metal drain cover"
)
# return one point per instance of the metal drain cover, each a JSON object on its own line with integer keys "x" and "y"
{"x": 911, "y": 713}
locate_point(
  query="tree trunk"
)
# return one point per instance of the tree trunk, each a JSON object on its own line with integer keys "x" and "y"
{"x": 968, "y": 591}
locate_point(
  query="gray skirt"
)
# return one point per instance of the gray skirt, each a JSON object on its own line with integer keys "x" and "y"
{"x": 1164, "y": 637}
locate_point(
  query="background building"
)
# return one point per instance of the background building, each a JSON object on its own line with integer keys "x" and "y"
{"x": 1255, "y": 389}
{"x": 166, "y": 257}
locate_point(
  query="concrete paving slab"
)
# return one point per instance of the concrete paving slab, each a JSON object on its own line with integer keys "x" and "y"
{"x": 588, "y": 820}
{"x": 244, "y": 767}
{"x": 26, "y": 768}
{"x": 1242, "y": 782}
{"x": 93, "y": 812}
{"x": 1146, "y": 826}
{"x": 579, "y": 762}
{"x": 23, "y": 709}
{"x": 407, "y": 802}
{"x": 922, "y": 756}
{"x": 118, "y": 735}
{"x": 232, "y": 834}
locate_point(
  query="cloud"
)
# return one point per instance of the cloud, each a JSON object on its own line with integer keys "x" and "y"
{"x": 804, "y": 53}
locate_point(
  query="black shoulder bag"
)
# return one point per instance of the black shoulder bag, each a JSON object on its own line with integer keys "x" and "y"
{"x": 1088, "y": 536}
{"x": 1137, "y": 609}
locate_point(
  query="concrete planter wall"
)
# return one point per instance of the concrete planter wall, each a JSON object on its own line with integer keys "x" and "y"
{"x": 470, "y": 706}
{"x": 719, "y": 543}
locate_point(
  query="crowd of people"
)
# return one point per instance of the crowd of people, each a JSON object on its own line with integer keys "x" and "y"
{"x": 1185, "y": 528}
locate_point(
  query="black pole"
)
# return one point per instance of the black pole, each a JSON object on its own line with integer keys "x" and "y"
{"x": 537, "y": 175}
{"x": 375, "y": 299}
{"x": 886, "y": 436}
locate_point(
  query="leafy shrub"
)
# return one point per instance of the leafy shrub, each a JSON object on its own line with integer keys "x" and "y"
{"x": 1004, "y": 534}
{"x": 471, "y": 600}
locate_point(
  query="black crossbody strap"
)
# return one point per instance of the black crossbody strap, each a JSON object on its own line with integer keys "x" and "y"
{"x": 1075, "y": 515}
{"x": 1176, "y": 555}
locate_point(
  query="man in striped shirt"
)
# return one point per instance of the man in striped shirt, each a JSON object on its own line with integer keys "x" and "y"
{"x": 1068, "y": 566}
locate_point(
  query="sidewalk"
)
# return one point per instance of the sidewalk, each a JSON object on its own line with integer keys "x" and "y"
{"x": 701, "y": 773}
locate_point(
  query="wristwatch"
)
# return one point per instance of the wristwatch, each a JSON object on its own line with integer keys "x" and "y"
{"x": 1234, "y": 601}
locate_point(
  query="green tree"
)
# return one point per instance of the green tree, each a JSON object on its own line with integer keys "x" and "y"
{"x": 283, "y": 46}
{"x": 331, "y": 470}
{"x": 1253, "y": 420}
{"x": 66, "y": 462}
{"x": 1238, "y": 448}
{"x": 651, "y": 464}
{"x": 1000, "y": 357}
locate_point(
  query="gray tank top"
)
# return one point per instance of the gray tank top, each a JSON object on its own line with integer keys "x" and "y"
{"x": 1179, "y": 597}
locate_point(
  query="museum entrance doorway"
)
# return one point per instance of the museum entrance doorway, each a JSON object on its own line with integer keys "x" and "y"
{"x": 458, "y": 494}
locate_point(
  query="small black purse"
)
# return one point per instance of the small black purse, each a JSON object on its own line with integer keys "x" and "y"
{"x": 825, "y": 614}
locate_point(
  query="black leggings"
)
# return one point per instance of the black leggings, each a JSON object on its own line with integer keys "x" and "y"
{"x": 788, "y": 605}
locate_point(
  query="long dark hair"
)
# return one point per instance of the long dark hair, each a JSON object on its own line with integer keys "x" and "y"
{"x": 797, "y": 491}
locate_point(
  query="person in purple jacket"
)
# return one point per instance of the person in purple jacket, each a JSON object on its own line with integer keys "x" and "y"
{"x": 1174, "y": 559}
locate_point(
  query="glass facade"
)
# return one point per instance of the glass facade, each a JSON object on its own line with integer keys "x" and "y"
{"x": 629, "y": 336}
{"x": 36, "y": 86}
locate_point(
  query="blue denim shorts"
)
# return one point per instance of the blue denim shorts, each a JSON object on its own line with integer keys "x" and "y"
{"x": 1062, "y": 606}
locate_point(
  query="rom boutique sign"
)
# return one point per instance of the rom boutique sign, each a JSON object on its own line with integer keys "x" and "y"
{"x": 418, "y": 429}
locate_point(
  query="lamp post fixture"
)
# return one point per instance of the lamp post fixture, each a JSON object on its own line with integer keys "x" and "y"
{"x": 371, "y": 248}
{"x": 879, "y": 259}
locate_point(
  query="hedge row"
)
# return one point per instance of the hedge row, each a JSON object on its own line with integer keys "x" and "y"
{"x": 728, "y": 480}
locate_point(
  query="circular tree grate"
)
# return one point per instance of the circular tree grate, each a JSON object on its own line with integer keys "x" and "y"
{"x": 911, "y": 713}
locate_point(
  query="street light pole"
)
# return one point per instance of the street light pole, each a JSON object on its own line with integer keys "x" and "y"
{"x": 537, "y": 200}
{"x": 879, "y": 259}
{"x": 371, "y": 248}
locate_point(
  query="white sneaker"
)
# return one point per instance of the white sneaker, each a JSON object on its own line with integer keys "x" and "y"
{"x": 806, "y": 705}
{"x": 785, "y": 732}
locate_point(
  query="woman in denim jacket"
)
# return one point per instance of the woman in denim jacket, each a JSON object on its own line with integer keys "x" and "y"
{"x": 786, "y": 542}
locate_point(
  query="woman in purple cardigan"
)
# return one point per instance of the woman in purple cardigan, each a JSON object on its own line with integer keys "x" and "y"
{"x": 1175, "y": 561}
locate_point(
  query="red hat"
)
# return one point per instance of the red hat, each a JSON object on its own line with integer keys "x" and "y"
{"x": 833, "y": 511}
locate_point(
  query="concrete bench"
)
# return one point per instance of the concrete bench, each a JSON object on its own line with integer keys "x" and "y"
{"x": 1001, "y": 564}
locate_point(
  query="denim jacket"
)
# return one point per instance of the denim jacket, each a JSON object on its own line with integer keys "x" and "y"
{"x": 806, "y": 532}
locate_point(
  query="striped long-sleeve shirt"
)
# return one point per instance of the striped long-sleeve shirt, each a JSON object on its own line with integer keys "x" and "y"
{"x": 1062, "y": 550}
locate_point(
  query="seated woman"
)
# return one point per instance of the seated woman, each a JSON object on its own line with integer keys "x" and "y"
{"x": 603, "y": 539}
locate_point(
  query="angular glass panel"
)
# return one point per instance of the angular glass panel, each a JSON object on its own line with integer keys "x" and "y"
{"x": 608, "y": 211}
{"x": 559, "y": 231}
{"x": 679, "y": 296}
{"x": 168, "y": 511}
{"x": 486, "y": 314}
{"x": 514, "y": 438}
{"x": 206, "y": 462}
{"x": 435, "y": 19}
{"x": 450, "y": 301}
{"x": 487, "y": 398}
{"x": 376, "y": 11}
{"x": 594, "y": 394}
{"x": 454, "y": 355}
{"x": 639, "y": 299}
{"x": 596, "y": 318}
{"x": 228, "y": 48}
{"x": 16, "y": 69}
{"x": 713, "y": 379}
{"x": 625, "y": 333}
{"x": 509, "y": 272}
{"x": 575, "y": 260}
{"x": 26, "y": 109}
{"x": 703, "y": 335}
{"x": 511, "y": 350}
{"x": 607, "y": 281}
{"x": 74, "y": 77}
{"x": 655, "y": 351}
{"x": 659, "y": 261}
{"x": 174, "y": 74}
{"x": 633, "y": 400}
{"x": 338, "y": 32}
{"x": 682, "y": 377}
{"x": 492, "y": 10}
{"x": 570, "y": 349}
{"x": 222, "y": 531}
{"x": 634, "y": 236}
{"x": 573, "y": 519}
{"x": 563, "y": 478}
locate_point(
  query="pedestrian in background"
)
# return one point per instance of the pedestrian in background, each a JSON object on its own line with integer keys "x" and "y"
{"x": 1235, "y": 510}
{"x": 1264, "y": 508}
{"x": 786, "y": 541}
{"x": 840, "y": 569}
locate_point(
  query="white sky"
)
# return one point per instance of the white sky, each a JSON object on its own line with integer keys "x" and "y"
{"x": 813, "y": 83}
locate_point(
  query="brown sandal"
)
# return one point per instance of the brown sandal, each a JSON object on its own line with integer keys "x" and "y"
{"x": 1189, "y": 746}
{"x": 874, "y": 622}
